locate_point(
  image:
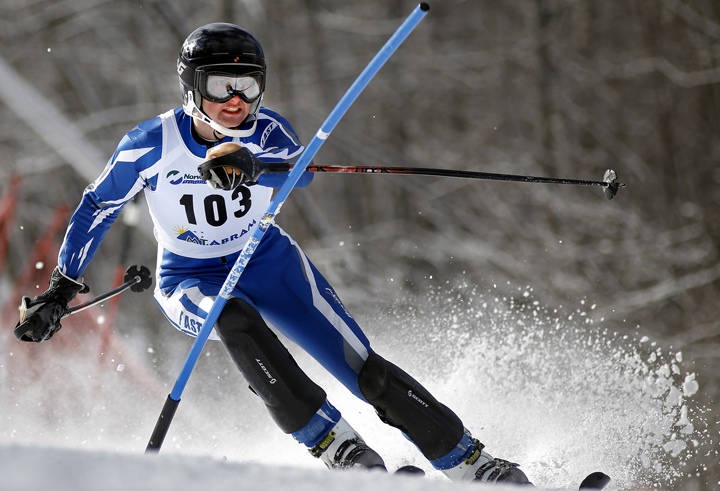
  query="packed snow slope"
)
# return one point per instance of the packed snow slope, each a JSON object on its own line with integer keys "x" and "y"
{"x": 35, "y": 468}
{"x": 553, "y": 389}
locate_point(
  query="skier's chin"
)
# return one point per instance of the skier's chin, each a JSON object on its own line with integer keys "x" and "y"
{"x": 231, "y": 120}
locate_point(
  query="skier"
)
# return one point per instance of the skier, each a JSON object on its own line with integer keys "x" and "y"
{"x": 200, "y": 231}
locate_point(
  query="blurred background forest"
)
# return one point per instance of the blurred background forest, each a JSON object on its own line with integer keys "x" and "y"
{"x": 558, "y": 88}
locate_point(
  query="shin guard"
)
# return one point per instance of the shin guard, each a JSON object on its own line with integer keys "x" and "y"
{"x": 288, "y": 393}
{"x": 402, "y": 402}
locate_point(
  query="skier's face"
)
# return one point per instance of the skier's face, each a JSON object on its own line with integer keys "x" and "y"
{"x": 229, "y": 114}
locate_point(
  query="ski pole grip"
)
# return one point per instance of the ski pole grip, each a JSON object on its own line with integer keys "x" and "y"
{"x": 244, "y": 161}
{"x": 162, "y": 426}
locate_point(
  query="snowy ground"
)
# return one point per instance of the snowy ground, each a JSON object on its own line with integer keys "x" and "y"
{"x": 548, "y": 388}
{"x": 77, "y": 470}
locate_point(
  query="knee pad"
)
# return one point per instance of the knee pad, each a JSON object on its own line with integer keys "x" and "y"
{"x": 238, "y": 315}
{"x": 272, "y": 373}
{"x": 402, "y": 402}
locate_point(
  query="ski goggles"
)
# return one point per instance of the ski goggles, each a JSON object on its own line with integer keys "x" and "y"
{"x": 221, "y": 87}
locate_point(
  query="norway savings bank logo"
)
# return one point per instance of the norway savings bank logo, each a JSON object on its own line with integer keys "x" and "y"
{"x": 174, "y": 177}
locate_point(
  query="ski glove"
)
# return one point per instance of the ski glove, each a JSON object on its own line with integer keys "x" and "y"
{"x": 40, "y": 317}
{"x": 221, "y": 175}
{"x": 229, "y": 165}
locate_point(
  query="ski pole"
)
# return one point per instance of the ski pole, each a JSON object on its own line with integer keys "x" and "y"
{"x": 608, "y": 182}
{"x": 246, "y": 162}
{"x": 136, "y": 278}
{"x": 173, "y": 400}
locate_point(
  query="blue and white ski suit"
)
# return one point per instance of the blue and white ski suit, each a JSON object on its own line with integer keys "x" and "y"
{"x": 200, "y": 232}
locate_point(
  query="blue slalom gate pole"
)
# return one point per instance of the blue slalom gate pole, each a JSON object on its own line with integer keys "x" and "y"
{"x": 163, "y": 424}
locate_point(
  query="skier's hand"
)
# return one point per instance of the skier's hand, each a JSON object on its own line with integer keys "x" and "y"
{"x": 227, "y": 178}
{"x": 40, "y": 316}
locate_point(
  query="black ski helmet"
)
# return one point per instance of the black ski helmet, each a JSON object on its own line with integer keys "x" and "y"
{"x": 219, "y": 47}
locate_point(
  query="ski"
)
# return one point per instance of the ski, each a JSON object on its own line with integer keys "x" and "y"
{"x": 596, "y": 480}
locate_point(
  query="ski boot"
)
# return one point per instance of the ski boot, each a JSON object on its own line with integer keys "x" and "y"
{"x": 342, "y": 448}
{"x": 479, "y": 466}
